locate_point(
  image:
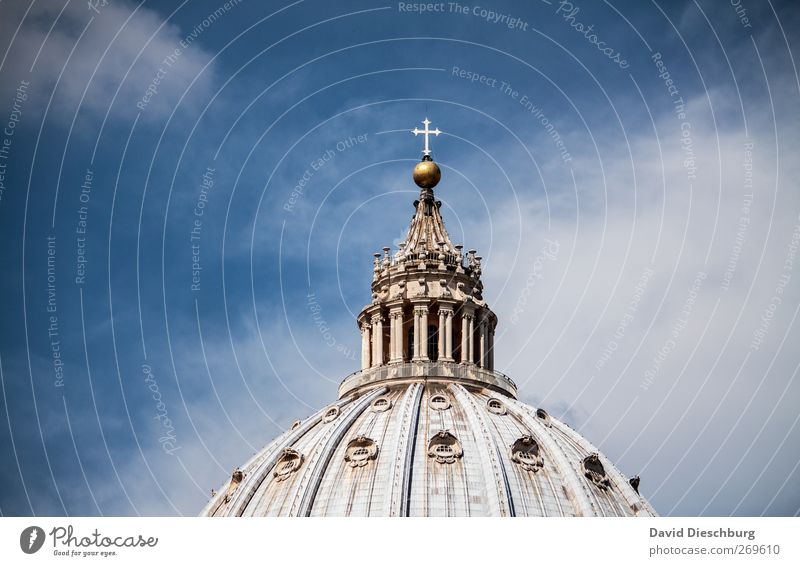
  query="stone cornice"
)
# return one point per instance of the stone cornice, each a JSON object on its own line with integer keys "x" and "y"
{"x": 417, "y": 371}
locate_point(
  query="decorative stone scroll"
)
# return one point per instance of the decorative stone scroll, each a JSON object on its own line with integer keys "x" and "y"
{"x": 593, "y": 469}
{"x": 525, "y": 452}
{"x": 288, "y": 463}
{"x": 360, "y": 451}
{"x": 236, "y": 478}
{"x": 445, "y": 447}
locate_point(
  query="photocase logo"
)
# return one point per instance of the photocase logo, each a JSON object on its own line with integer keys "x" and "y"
{"x": 31, "y": 539}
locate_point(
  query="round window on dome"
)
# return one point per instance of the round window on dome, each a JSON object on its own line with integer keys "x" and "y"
{"x": 439, "y": 402}
{"x": 331, "y": 414}
{"x": 381, "y": 404}
{"x": 360, "y": 451}
{"x": 496, "y": 406}
{"x": 544, "y": 416}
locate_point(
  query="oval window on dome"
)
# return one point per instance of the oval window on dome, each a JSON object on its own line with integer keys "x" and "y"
{"x": 439, "y": 402}
{"x": 496, "y": 406}
{"x": 444, "y": 447}
{"x": 525, "y": 452}
{"x": 296, "y": 424}
{"x": 444, "y": 450}
{"x": 544, "y": 416}
{"x": 593, "y": 469}
{"x": 289, "y": 462}
{"x": 381, "y": 404}
{"x": 331, "y": 414}
{"x": 360, "y": 451}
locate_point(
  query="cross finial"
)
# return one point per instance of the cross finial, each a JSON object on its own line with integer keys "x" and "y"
{"x": 416, "y": 131}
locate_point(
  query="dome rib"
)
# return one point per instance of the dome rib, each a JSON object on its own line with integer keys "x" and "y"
{"x": 257, "y": 468}
{"x": 618, "y": 480}
{"x": 538, "y": 488}
{"x": 399, "y": 479}
{"x": 603, "y": 504}
{"x": 577, "y": 494}
{"x": 500, "y": 502}
{"x": 313, "y": 477}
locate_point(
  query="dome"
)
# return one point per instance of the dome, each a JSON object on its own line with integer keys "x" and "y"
{"x": 427, "y": 426}
{"x": 437, "y": 446}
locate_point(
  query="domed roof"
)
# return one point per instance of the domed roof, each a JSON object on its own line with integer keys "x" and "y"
{"x": 427, "y": 427}
{"x": 429, "y": 448}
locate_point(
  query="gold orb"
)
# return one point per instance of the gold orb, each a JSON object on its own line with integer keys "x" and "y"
{"x": 427, "y": 174}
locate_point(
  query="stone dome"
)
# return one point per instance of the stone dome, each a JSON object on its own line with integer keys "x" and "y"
{"x": 427, "y": 427}
{"x": 440, "y": 446}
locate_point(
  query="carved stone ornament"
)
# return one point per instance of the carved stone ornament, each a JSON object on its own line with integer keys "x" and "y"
{"x": 525, "y": 452}
{"x": 445, "y": 290}
{"x": 236, "y": 478}
{"x": 593, "y": 469}
{"x": 288, "y": 463}
{"x": 444, "y": 447}
{"x": 360, "y": 451}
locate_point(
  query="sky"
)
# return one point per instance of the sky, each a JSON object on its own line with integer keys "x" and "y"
{"x": 192, "y": 194}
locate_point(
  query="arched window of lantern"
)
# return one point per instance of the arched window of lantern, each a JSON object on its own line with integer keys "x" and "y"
{"x": 433, "y": 343}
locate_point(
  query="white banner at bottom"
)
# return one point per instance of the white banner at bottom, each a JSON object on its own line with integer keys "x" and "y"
{"x": 333, "y": 541}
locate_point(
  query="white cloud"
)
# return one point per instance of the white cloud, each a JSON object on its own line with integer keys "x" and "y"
{"x": 123, "y": 48}
{"x": 692, "y": 421}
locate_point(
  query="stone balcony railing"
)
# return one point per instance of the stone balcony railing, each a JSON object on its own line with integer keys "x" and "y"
{"x": 408, "y": 372}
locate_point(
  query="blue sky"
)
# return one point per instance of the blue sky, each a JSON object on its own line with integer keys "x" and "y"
{"x": 662, "y": 172}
